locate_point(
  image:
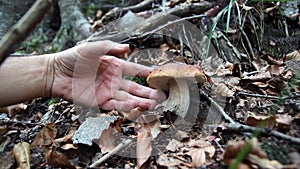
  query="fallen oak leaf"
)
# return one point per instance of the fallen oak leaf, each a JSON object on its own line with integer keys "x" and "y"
{"x": 263, "y": 162}
{"x": 261, "y": 121}
{"x": 21, "y": 152}
{"x": 173, "y": 145}
{"x": 233, "y": 149}
{"x": 201, "y": 152}
{"x": 46, "y": 136}
{"x": 284, "y": 122}
{"x": 57, "y": 159}
{"x": 107, "y": 140}
{"x": 198, "y": 157}
{"x": 143, "y": 145}
{"x": 66, "y": 139}
{"x": 168, "y": 161}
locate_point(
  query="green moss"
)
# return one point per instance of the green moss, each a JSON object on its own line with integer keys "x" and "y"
{"x": 139, "y": 80}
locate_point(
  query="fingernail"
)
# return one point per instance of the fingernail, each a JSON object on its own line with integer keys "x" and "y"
{"x": 121, "y": 46}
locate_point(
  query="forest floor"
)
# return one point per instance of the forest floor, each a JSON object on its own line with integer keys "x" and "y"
{"x": 247, "y": 114}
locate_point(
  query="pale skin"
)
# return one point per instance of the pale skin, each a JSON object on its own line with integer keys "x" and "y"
{"x": 88, "y": 74}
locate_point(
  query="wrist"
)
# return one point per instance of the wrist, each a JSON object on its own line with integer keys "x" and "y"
{"x": 59, "y": 75}
{"x": 49, "y": 75}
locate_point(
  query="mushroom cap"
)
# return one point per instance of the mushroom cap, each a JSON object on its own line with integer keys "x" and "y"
{"x": 161, "y": 76}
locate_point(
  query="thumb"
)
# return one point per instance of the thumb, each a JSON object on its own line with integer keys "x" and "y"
{"x": 100, "y": 48}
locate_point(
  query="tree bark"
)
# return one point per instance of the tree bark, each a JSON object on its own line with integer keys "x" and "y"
{"x": 74, "y": 26}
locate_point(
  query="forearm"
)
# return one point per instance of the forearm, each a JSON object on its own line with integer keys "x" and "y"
{"x": 25, "y": 78}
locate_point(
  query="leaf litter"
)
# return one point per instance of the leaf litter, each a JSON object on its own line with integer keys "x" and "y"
{"x": 263, "y": 94}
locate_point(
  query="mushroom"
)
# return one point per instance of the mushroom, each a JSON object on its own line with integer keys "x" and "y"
{"x": 180, "y": 81}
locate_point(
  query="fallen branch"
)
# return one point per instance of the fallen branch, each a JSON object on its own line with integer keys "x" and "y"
{"x": 116, "y": 12}
{"x": 120, "y": 147}
{"x": 160, "y": 28}
{"x": 23, "y": 27}
{"x": 237, "y": 127}
{"x": 74, "y": 26}
{"x": 153, "y": 22}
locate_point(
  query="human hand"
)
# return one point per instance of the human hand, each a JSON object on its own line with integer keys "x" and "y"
{"x": 88, "y": 74}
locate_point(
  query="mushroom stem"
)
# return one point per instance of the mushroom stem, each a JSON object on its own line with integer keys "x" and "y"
{"x": 179, "y": 97}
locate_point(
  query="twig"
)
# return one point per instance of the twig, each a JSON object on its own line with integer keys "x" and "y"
{"x": 258, "y": 95}
{"x": 219, "y": 108}
{"x": 22, "y": 28}
{"x": 120, "y": 147}
{"x": 245, "y": 128}
{"x": 269, "y": 97}
{"x": 148, "y": 34}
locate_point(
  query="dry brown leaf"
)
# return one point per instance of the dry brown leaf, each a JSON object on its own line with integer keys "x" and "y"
{"x": 175, "y": 2}
{"x": 69, "y": 146}
{"x": 46, "y": 136}
{"x": 267, "y": 10}
{"x": 201, "y": 152}
{"x": 233, "y": 148}
{"x": 3, "y": 130}
{"x": 134, "y": 113}
{"x": 275, "y": 69}
{"x": 295, "y": 55}
{"x": 209, "y": 149}
{"x": 13, "y": 109}
{"x": 168, "y": 161}
{"x": 155, "y": 128}
{"x": 21, "y": 153}
{"x": 284, "y": 122}
{"x": 173, "y": 145}
{"x": 107, "y": 140}
{"x": 198, "y": 156}
{"x": 223, "y": 90}
{"x": 181, "y": 135}
{"x": 66, "y": 139}
{"x": 261, "y": 76}
{"x": 262, "y": 121}
{"x": 246, "y": 8}
{"x": 143, "y": 147}
{"x": 57, "y": 159}
{"x": 261, "y": 84}
{"x": 263, "y": 162}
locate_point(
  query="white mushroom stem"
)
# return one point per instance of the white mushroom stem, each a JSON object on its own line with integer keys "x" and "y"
{"x": 179, "y": 97}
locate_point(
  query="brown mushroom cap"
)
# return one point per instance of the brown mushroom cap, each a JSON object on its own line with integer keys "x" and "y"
{"x": 161, "y": 76}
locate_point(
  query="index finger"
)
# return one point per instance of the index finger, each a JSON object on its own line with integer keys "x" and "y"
{"x": 134, "y": 69}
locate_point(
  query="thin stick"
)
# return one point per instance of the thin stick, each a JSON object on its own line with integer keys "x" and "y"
{"x": 245, "y": 128}
{"x": 22, "y": 28}
{"x": 269, "y": 97}
{"x": 219, "y": 108}
{"x": 120, "y": 147}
